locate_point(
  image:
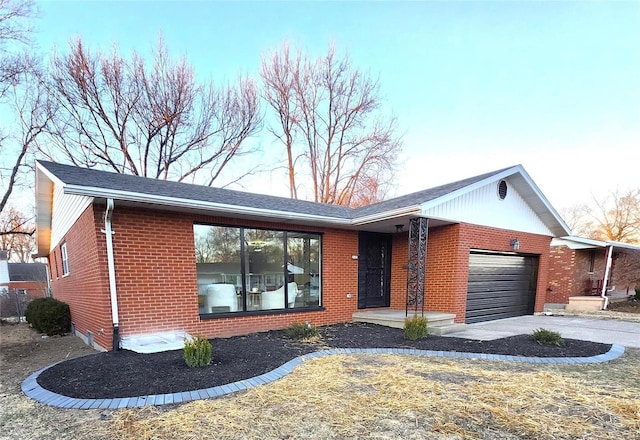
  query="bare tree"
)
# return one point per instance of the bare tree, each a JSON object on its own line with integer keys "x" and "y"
{"x": 15, "y": 30}
{"x": 156, "y": 121}
{"x": 16, "y": 235}
{"x": 33, "y": 111}
{"x": 616, "y": 217}
{"x": 19, "y": 96}
{"x": 329, "y": 121}
{"x": 626, "y": 269}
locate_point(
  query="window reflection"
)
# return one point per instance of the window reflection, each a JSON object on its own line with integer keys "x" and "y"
{"x": 242, "y": 269}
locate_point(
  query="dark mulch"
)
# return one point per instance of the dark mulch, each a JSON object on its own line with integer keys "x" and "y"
{"x": 128, "y": 374}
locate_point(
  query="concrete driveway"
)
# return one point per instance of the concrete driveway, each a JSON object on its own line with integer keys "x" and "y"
{"x": 608, "y": 331}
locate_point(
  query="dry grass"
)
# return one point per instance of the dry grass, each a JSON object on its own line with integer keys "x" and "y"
{"x": 388, "y": 396}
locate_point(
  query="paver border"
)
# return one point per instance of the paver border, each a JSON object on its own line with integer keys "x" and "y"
{"x": 32, "y": 389}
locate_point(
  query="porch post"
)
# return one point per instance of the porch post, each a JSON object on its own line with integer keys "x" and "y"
{"x": 418, "y": 231}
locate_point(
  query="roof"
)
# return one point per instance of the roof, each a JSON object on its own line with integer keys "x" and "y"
{"x": 130, "y": 190}
{"x": 28, "y": 272}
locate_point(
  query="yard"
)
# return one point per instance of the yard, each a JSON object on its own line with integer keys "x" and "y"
{"x": 375, "y": 396}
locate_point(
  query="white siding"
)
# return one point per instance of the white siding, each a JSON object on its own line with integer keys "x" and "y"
{"x": 66, "y": 210}
{"x": 483, "y": 207}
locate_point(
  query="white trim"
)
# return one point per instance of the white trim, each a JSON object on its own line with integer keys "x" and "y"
{"x": 198, "y": 204}
{"x": 387, "y": 215}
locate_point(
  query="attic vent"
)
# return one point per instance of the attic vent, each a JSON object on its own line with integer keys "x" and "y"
{"x": 502, "y": 189}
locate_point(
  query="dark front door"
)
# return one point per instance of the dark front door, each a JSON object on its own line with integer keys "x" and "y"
{"x": 374, "y": 274}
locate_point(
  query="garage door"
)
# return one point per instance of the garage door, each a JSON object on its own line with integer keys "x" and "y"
{"x": 500, "y": 286}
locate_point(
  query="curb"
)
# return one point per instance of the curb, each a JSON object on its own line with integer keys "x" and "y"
{"x": 32, "y": 389}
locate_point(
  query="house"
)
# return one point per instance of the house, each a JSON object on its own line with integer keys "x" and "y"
{"x": 584, "y": 273}
{"x": 138, "y": 256}
{"x": 19, "y": 284}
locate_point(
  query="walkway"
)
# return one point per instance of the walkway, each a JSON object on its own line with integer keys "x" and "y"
{"x": 31, "y": 388}
{"x": 606, "y": 331}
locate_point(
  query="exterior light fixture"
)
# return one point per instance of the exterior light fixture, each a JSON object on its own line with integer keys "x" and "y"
{"x": 399, "y": 228}
{"x": 515, "y": 244}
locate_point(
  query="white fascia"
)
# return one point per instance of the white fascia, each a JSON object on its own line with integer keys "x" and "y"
{"x": 197, "y": 204}
{"x": 387, "y": 215}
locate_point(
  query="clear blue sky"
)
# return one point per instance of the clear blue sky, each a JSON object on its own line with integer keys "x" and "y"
{"x": 476, "y": 86}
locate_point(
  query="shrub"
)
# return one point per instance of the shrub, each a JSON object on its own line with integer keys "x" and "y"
{"x": 48, "y": 315}
{"x": 197, "y": 352}
{"x": 415, "y": 328}
{"x": 301, "y": 331}
{"x": 547, "y": 337}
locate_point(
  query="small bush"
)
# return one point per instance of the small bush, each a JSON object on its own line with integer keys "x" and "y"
{"x": 301, "y": 331}
{"x": 197, "y": 352}
{"x": 547, "y": 337}
{"x": 48, "y": 315}
{"x": 415, "y": 328}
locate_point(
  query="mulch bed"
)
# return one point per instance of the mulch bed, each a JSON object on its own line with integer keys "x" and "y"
{"x": 128, "y": 374}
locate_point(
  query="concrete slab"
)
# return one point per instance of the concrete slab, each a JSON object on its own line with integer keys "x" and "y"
{"x": 607, "y": 331}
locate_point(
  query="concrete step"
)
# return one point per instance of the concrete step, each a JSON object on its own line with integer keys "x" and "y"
{"x": 395, "y": 318}
{"x": 446, "y": 329}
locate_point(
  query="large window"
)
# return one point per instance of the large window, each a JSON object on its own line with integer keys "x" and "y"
{"x": 243, "y": 269}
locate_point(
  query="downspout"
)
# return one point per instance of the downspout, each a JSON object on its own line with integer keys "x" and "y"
{"x": 607, "y": 275}
{"x": 112, "y": 274}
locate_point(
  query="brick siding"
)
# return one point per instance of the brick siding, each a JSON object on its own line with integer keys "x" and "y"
{"x": 157, "y": 282}
{"x": 569, "y": 272}
{"x": 447, "y": 266}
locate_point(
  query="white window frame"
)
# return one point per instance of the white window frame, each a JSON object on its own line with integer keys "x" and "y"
{"x": 65, "y": 259}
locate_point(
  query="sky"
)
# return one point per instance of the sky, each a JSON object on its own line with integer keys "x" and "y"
{"x": 476, "y": 86}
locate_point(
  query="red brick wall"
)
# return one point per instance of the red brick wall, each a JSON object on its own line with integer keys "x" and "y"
{"x": 447, "y": 264}
{"x": 448, "y": 250}
{"x": 156, "y": 276}
{"x": 569, "y": 272}
{"x": 86, "y": 287}
{"x": 34, "y": 289}
{"x": 157, "y": 284}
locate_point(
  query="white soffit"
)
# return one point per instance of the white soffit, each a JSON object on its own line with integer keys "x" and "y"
{"x": 482, "y": 206}
{"x": 524, "y": 209}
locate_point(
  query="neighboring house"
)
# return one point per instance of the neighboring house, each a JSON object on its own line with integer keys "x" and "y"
{"x": 586, "y": 267}
{"x": 133, "y": 255}
{"x": 20, "y": 283}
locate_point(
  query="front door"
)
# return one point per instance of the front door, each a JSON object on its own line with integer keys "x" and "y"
{"x": 374, "y": 274}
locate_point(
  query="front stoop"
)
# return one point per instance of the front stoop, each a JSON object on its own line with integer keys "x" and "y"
{"x": 438, "y": 323}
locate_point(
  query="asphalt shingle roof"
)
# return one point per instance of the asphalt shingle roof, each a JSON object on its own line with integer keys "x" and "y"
{"x": 84, "y": 177}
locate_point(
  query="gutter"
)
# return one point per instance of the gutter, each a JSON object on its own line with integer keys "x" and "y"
{"x": 200, "y": 204}
{"x": 607, "y": 275}
{"x": 112, "y": 274}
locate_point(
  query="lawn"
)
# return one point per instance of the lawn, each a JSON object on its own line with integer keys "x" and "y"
{"x": 350, "y": 396}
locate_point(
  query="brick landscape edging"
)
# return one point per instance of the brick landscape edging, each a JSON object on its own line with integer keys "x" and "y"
{"x": 32, "y": 389}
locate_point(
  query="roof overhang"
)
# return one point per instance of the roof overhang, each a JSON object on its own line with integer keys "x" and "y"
{"x": 388, "y": 221}
{"x": 45, "y": 184}
{"x": 576, "y": 243}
